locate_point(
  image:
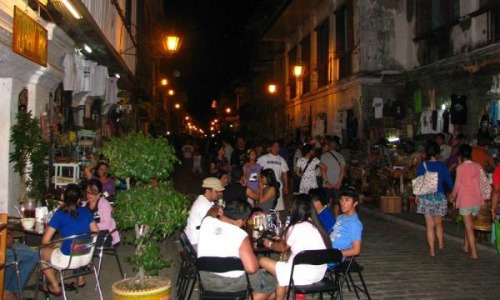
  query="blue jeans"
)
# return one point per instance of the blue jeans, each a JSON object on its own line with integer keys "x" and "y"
{"x": 27, "y": 259}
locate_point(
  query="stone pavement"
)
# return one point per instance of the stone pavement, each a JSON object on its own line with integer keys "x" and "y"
{"x": 394, "y": 256}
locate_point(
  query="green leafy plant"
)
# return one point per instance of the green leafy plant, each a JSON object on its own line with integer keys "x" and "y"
{"x": 154, "y": 210}
{"x": 30, "y": 149}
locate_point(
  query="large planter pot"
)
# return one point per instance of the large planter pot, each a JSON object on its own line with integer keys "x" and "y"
{"x": 158, "y": 288}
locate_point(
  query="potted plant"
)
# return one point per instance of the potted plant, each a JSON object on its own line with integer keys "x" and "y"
{"x": 28, "y": 156}
{"x": 153, "y": 208}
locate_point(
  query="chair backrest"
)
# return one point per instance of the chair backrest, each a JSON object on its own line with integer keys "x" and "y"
{"x": 83, "y": 246}
{"x": 187, "y": 246}
{"x": 219, "y": 264}
{"x": 318, "y": 257}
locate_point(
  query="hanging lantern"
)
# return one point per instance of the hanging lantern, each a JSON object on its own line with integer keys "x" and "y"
{"x": 298, "y": 70}
{"x": 171, "y": 43}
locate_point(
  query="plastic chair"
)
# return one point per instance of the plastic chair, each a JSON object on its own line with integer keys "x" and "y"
{"x": 187, "y": 273}
{"x": 105, "y": 248}
{"x": 221, "y": 265}
{"x": 15, "y": 265}
{"x": 316, "y": 257}
{"x": 343, "y": 274}
{"x": 82, "y": 246}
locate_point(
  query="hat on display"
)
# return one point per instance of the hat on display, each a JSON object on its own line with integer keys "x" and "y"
{"x": 212, "y": 183}
{"x": 350, "y": 191}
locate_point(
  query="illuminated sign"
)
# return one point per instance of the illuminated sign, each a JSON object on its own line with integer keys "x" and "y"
{"x": 29, "y": 38}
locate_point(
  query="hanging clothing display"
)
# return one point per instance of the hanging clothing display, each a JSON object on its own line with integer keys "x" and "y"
{"x": 378, "y": 105}
{"x": 426, "y": 122}
{"x": 417, "y": 101}
{"x": 494, "y": 112}
{"x": 458, "y": 109}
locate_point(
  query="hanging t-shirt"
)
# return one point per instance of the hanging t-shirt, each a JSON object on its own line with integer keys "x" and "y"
{"x": 99, "y": 81}
{"x": 426, "y": 122}
{"x": 69, "y": 72}
{"x": 111, "y": 90}
{"x": 446, "y": 121}
{"x": 417, "y": 101}
{"x": 494, "y": 112}
{"x": 378, "y": 105}
{"x": 459, "y": 110}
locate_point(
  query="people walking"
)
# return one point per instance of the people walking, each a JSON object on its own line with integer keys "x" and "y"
{"x": 434, "y": 206}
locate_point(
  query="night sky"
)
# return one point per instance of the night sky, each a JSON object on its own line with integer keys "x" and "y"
{"x": 214, "y": 51}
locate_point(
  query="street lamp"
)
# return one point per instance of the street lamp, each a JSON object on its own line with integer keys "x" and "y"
{"x": 171, "y": 43}
{"x": 298, "y": 70}
{"x": 164, "y": 82}
{"x": 177, "y": 106}
{"x": 171, "y": 92}
{"x": 272, "y": 88}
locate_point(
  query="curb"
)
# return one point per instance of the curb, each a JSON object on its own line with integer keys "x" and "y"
{"x": 395, "y": 219}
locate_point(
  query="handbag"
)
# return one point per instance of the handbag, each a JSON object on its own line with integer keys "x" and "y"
{"x": 426, "y": 183}
{"x": 484, "y": 184}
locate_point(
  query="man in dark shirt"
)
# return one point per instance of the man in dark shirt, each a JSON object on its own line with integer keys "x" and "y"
{"x": 235, "y": 189}
{"x": 238, "y": 155}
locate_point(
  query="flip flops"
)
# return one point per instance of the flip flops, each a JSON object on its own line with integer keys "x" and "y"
{"x": 47, "y": 290}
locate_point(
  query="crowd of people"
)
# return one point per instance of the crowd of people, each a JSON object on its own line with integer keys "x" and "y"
{"x": 245, "y": 180}
{"x": 462, "y": 182}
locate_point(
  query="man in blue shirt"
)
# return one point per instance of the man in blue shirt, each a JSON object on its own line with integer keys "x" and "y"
{"x": 346, "y": 235}
{"x": 325, "y": 215}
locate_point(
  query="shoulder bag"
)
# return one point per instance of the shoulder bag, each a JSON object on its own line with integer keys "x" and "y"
{"x": 484, "y": 184}
{"x": 426, "y": 183}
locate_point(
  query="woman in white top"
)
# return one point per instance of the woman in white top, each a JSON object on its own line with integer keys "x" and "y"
{"x": 306, "y": 168}
{"x": 304, "y": 232}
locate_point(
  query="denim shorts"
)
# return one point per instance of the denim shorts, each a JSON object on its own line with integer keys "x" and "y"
{"x": 473, "y": 210}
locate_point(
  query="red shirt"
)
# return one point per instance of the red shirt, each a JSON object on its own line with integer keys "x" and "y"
{"x": 496, "y": 176}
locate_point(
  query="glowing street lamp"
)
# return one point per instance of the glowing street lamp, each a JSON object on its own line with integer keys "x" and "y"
{"x": 228, "y": 110}
{"x": 272, "y": 88}
{"x": 164, "y": 82}
{"x": 171, "y": 43}
{"x": 177, "y": 106}
{"x": 171, "y": 92}
{"x": 298, "y": 70}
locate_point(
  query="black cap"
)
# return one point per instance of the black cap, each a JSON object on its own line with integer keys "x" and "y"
{"x": 350, "y": 191}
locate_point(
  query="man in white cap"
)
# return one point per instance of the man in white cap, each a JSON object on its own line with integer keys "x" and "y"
{"x": 203, "y": 206}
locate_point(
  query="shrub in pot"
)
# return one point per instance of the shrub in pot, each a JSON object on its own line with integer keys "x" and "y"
{"x": 153, "y": 208}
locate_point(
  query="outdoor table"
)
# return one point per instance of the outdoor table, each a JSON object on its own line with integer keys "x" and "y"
{"x": 15, "y": 225}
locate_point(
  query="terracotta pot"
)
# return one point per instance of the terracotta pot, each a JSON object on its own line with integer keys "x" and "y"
{"x": 158, "y": 288}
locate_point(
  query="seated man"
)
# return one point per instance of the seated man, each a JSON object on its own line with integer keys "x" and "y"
{"x": 203, "y": 206}
{"x": 224, "y": 237}
{"x": 27, "y": 259}
{"x": 325, "y": 215}
{"x": 346, "y": 235}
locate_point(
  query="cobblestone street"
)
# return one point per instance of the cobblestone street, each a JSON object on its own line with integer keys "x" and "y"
{"x": 394, "y": 256}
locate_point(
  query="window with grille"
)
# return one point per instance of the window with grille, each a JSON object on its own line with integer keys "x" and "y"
{"x": 322, "y": 63}
{"x": 344, "y": 36}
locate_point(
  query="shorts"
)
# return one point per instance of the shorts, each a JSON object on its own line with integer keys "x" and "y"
{"x": 473, "y": 210}
{"x": 59, "y": 260}
{"x": 261, "y": 282}
{"x": 333, "y": 196}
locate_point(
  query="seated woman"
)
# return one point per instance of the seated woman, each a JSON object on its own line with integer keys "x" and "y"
{"x": 100, "y": 172}
{"x": 269, "y": 191}
{"x": 304, "y": 232}
{"x": 101, "y": 209}
{"x": 69, "y": 220}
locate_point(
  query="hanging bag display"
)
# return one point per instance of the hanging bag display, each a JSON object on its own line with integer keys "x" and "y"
{"x": 426, "y": 183}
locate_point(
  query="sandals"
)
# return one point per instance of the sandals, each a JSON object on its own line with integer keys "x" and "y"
{"x": 73, "y": 286}
{"x": 46, "y": 289}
